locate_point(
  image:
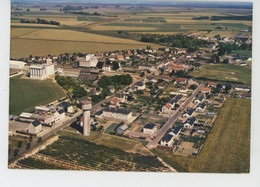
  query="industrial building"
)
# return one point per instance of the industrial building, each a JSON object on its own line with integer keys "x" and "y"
{"x": 41, "y": 71}
{"x": 17, "y": 64}
{"x": 90, "y": 61}
{"x": 117, "y": 114}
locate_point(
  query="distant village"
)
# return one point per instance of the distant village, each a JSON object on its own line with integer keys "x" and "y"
{"x": 162, "y": 94}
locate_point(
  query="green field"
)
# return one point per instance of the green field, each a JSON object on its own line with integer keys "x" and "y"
{"x": 227, "y": 148}
{"x": 223, "y": 72}
{"x": 25, "y": 94}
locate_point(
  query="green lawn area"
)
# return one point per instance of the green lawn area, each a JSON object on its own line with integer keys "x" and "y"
{"x": 25, "y": 94}
{"x": 111, "y": 128}
{"x": 227, "y": 148}
{"x": 244, "y": 53}
{"x": 222, "y": 72}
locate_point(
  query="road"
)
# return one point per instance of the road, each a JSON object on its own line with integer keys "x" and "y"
{"x": 170, "y": 122}
{"x": 68, "y": 122}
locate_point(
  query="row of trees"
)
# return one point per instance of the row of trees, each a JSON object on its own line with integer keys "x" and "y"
{"x": 39, "y": 21}
{"x": 116, "y": 81}
{"x": 227, "y": 48}
{"x": 180, "y": 41}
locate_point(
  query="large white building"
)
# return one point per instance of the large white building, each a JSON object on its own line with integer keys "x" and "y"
{"x": 117, "y": 114}
{"x": 42, "y": 71}
{"x": 89, "y": 62}
{"x": 17, "y": 64}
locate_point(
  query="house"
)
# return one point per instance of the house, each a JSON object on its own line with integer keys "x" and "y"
{"x": 189, "y": 113}
{"x": 192, "y": 81}
{"x": 205, "y": 90}
{"x": 121, "y": 97}
{"x": 111, "y": 89}
{"x": 242, "y": 88}
{"x": 189, "y": 123}
{"x": 115, "y": 102}
{"x": 162, "y": 85}
{"x": 106, "y": 68}
{"x": 199, "y": 99}
{"x": 151, "y": 79}
{"x": 121, "y": 129}
{"x": 61, "y": 115}
{"x": 140, "y": 85}
{"x": 67, "y": 107}
{"x": 35, "y": 127}
{"x": 175, "y": 131}
{"x": 201, "y": 107}
{"x": 146, "y": 94}
{"x": 181, "y": 80}
{"x": 183, "y": 89}
{"x": 167, "y": 108}
{"x": 117, "y": 114}
{"x": 42, "y": 109}
{"x": 149, "y": 128}
{"x": 212, "y": 84}
{"x": 167, "y": 140}
{"x": 180, "y": 51}
{"x": 120, "y": 57}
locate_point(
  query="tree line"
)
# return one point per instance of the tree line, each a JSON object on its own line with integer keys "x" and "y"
{"x": 39, "y": 21}
{"x": 116, "y": 80}
{"x": 180, "y": 41}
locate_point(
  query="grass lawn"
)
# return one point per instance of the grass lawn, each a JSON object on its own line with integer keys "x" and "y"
{"x": 222, "y": 72}
{"x": 227, "y": 148}
{"x": 25, "y": 94}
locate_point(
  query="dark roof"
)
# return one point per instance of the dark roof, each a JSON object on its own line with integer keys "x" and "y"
{"x": 61, "y": 111}
{"x": 190, "y": 111}
{"x": 176, "y": 129}
{"x": 117, "y": 110}
{"x": 201, "y": 105}
{"x": 149, "y": 126}
{"x": 99, "y": 112}
{"x": 139, "y": 83}
{"x": 36, "y": 123}
{"x": 173, "y": 101}
{"x": 167, "y": 138}
{"x": 191, "y": 121}
{"x": 178, "y": 97}
{"x": 120, "y": 95}
{"x": 200, "y": 98}
{"x": 65, "y": 104}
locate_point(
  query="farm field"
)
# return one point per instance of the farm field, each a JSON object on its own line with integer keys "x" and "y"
{"x": 223, "y": 72}
{"x": 25, "y": 94}
{"x": 52, "y": 41}
{"x": 230, "y": 136}
{"x": 72, "y": 153}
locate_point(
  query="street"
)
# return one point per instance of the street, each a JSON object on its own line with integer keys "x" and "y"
{"x": 171, "y": 120}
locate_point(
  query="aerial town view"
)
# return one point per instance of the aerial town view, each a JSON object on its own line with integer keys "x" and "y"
{"x": 147, "y": 86}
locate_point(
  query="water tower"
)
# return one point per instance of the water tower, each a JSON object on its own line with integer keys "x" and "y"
{"x": 86, "y": 107}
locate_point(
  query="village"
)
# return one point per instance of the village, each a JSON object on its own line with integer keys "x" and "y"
{"x": 162, "y": 104}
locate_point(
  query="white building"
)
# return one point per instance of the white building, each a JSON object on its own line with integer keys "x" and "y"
{"x": 89, "y": 62}
{"x": 17, "y": 64}
{"x": 167, "y": 140}
{"x": 117, "y": 114}
{"x": 201, "y": 107}
{"x": 41, "y": 71}
{"x": 35, "y": 127}
{"x": 106, "y": 68}
{"x": 189, "y": 123}
{"x": 149, "y": 128}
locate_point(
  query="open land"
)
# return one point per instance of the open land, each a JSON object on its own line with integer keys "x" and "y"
{"x": 25, "y": 94}
{"x": 230, "y": 137}
{"x": 224, "y": 72}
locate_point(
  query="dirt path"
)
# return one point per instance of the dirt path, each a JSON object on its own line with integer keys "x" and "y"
{"x": 34, "y": 151}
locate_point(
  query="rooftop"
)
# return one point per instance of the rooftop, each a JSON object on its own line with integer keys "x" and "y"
{"x": 149, "y": 126}
{"x": 117, "y": 110}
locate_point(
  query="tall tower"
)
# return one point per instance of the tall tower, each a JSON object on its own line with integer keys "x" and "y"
{"x": 86, "y": 107}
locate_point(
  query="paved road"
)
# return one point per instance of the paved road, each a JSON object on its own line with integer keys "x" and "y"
{"x": 169, "y": 123}
{"x": 68, "y": 122}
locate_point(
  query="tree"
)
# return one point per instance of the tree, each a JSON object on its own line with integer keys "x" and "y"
{"x": 28, "y": 145}
{"x": 142, "y": 74}
{"x": 100, "y": 64}
{"x": 16, "y": 151}
{"x": 119, "y": 32}
{"x": 39, "y": 139}
{"x": 115, "y": 65}
{"x": 228, "y": 88}
{"x": 193, "y": 86}
{"x": 28, "y": 10}
{"x": 19, "y": 144}
{"x": 226, "y": 61}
